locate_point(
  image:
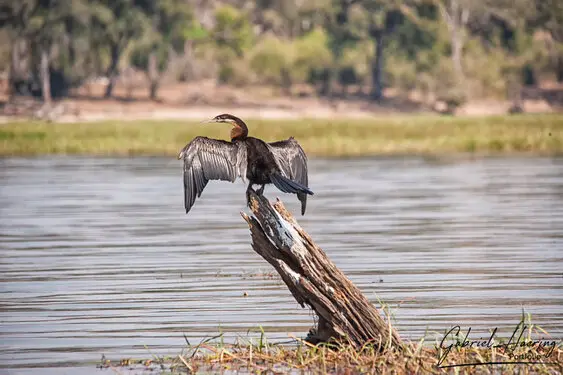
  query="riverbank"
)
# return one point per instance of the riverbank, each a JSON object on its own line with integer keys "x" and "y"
{"x": 411, "y": 358}
{"x": 416, "y": 134}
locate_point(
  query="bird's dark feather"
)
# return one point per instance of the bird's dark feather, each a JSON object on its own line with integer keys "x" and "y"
{"x": 282, "y": 163}
{"x": 292, "y": 161}
{"x": 208, "y": 159}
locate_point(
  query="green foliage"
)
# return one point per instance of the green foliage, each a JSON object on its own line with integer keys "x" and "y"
{"x": 194, "y": 31}
{"x": 486, "y": 70}
{"x": 139, "y": 57}
{"x": 173, "y": 23}
{"x": 447, "y": 88}
{"x": 232, "y": 37}
{"x": 236, "y": 73}
{"x": 357, "y": 61}
{"x": 117, "y": 22}
{"x": 285, "y": 62}
{"x": 504, "y": 43}
{"x": 311, "y": 55}
{"x": 272, "y": 61}
{"x": 233, "y": 30}
{"x": 403, "y": 74}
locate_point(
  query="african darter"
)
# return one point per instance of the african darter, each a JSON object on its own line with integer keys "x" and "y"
{"x": 282, "y": 163}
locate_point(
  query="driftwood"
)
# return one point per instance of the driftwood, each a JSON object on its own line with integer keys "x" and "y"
{"x": 344, "y": 313}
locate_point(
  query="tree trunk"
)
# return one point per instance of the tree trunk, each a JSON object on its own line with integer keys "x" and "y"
{"x": 377, "y": 66}
{"x": 188, "y": 68}
{"x": 559, "y": 68}
{"x": 455, "y": 17}
{"x": 456, "y": 52}
{"x": 323, "y": 87}
{"x": 14, "y": 67}
{"x": 345, "y": 314}
{"x": 17, "y": 68}
{"x": 153, "y": 75}
{"x": 458, "y": 20}
{"x": 331, "y": 80}
{"x": 112, "y": 71}
{"x": 286, "y": 81}
{"x": 45, "y": 75}
{"x": 153, "y": 89}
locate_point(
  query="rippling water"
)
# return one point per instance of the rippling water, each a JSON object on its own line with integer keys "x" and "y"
{"x": 98, "y": 257}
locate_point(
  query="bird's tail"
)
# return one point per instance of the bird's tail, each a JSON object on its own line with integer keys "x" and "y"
{"x": 289, "y": 186}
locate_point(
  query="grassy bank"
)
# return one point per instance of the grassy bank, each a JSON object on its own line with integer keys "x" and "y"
{"x": 536, "y": 134}
{"x": 531, "y": 351}
{"x": 411, "y": 358}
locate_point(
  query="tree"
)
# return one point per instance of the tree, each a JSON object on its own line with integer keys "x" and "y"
{"x": 383, "y": 18}
{"x": 455, "y": 14}
{"x": 170, "y": 22}
{"x": 289, "y": 18}
{"x": 232, "y": 36}
{"x": 460, "y": 15}
{"x": 549, "y": 17}
{"x": 38, "y": 25}
{"x": 377, "y": 20}
{"x": 15, "y": 17}
{"x": 116, "y": 23}
{"x": 341, "y": 35}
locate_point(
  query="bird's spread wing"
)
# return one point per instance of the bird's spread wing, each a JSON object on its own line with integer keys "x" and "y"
{"x": 291, "y": 159}
{"x": 293, "y": 162}
{"x": 210, "y": 159}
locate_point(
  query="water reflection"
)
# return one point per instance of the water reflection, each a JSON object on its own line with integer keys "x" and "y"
{"x": 97, "y": 255}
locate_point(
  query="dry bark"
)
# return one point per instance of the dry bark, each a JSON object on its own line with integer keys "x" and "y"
{"x": 153, "y": 75}
{"x": 344, "y": 313}
{"x": 45, "y": 75}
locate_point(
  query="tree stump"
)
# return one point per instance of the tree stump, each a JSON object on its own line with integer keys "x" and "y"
{"x": 344, "y": 313}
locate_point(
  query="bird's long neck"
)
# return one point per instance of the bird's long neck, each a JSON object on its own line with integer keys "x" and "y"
{"x": 239, "y": 130}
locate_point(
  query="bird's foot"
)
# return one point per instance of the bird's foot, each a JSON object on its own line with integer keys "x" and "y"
{"x": 261, "y": 190}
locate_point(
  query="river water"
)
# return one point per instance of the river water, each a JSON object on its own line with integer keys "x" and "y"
{"x": 98, "y": 256}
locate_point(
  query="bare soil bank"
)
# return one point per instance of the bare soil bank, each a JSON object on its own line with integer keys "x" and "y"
{"x": 203, "y": 100}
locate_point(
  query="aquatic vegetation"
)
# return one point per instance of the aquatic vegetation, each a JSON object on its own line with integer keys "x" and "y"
{"x": 423, "y": 134}
{"x": 252, "y": 356}
{"x": 411, "y": 358}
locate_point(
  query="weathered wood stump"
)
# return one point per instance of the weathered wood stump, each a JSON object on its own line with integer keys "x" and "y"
{"x": 344, "y": 313}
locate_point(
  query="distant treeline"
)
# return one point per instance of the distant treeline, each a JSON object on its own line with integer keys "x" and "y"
{"x": 442, "y": 49}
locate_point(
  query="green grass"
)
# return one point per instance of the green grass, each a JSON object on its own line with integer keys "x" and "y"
{"x": 533, "y": 134}
{"x": 251, "y": 357}
{"x": 534, "y": 351}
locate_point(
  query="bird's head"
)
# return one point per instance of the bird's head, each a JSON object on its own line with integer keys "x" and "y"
{"x": 226, "y": 118}
{"x": 239, "y": 130}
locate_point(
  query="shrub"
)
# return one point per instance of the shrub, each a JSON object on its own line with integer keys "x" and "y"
{"x": 233, "y": 30}
{"x": 448, "y": 88}
{"x": 312, "y": 56}
{"x": 272, "y": 61}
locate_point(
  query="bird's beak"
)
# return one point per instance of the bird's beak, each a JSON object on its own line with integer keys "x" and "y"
{"x": 207, "y": 121}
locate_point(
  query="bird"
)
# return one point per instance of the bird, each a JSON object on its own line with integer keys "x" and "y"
{"x": 282, "y": 163}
